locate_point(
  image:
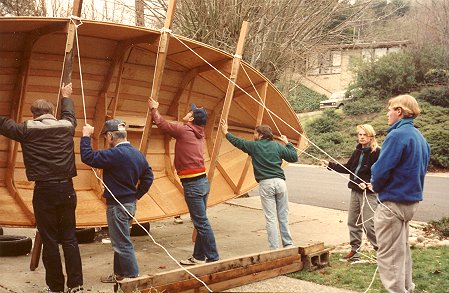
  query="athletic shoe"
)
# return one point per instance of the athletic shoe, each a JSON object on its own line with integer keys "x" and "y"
{"x": 48, "y": 290}
{"x": 351, "y": 257}
{"x": 192, "y": 261}
{"x": 112, "y": 278}
{"x": 78, "y": 289}
{"x": 178, "y": 220}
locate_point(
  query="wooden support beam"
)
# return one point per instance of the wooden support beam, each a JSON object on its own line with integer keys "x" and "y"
{"x": 118, "y": 86}
{"x": 77, "y": 7}
{"x": 158, "y": 72}
{"x": 220, "y": 275}
{"x": 119, "y": 53}
{"x": 260, "y": 112}
{"x": 169, "y": 168}
{"x": 17, "y": 109}
{"x": 228, "y": 98}
{"x": 69, "y": 49}
{"x": 226, "y": 176}
{"x": 188, "y": 79}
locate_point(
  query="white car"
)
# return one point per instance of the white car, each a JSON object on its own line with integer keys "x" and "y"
{"x": 336, "y": 100}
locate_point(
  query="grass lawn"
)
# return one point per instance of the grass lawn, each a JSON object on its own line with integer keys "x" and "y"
{"x": 430, "y": 273}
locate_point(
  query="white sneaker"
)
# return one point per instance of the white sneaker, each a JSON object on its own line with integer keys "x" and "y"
{"x": 178, "y": 220}
{"x": 192, "y": 261}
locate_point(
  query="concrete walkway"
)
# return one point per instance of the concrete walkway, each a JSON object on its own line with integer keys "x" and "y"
{"x": 239, "y": 229}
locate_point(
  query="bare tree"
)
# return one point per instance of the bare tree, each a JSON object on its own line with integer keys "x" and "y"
{"x": 20, "y": 8}
{"x": 428, "y": 25}
{"x": 140, "y": 18}
{"x": 282, "y": 31}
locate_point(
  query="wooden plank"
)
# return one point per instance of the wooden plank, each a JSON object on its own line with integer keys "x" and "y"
{"x": 169, "y": 168}
{"x": 228, "y": 98}
{"x": 311, "y": 248}
{"x": 77, "y": 7}
{"x": 259, "y": 276}
{"x": 158, "y": 72}
{"x": 224, "y": 280}
{"x": 226, "y": 176}
{"x": 220, "y": 274}
{"x": 258, "y": 122}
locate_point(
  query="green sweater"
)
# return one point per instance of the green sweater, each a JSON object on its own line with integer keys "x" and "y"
{"x": 266, "y": 156}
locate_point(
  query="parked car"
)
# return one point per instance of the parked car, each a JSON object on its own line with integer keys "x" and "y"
{"x": 336, "y": 100}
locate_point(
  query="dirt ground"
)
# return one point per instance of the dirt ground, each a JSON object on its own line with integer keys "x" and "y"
{"x": 239, "y": 228}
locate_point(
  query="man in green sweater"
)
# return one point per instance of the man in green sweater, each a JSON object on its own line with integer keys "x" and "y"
{"x": 267, "y": 156}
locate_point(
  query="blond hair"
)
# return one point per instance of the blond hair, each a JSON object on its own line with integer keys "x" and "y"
{"x": 370, "y": 132}
{"x": 408, "y": 104}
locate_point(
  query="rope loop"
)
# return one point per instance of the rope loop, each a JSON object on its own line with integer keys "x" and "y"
{"x": 73, "y": 18}
{"x": 165, "y": 30}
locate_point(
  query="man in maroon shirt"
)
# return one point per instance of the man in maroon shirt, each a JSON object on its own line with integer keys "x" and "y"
{"x": 189, "y": 164}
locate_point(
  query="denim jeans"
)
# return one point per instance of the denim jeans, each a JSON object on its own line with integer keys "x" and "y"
{"x": 125, "y": 262}
{"x": 195, "y": 194}
{"x": 54, "y": 207}
{"x": 274, "y": 199}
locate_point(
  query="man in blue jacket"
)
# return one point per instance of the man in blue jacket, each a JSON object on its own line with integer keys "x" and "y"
{"x": 398, "y": 177}
{"x": 128, "y": 177}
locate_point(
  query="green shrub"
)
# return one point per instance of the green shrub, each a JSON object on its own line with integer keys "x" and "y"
{"x": 437, "y": 137}
{"x": 303, "y": 99}
{"x": 441, "y": 227}
{"x": 438, "y": 76}
{"x": 436, "y": 97}
{"x": 429, "y": 57}
{"x": 328, "y": 122}
{"x": 390, "y": 75}
{"x": 363, "y": 106}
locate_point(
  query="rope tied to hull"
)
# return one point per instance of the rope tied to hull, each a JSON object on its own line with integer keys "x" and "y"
{"x": 107, "y": 188}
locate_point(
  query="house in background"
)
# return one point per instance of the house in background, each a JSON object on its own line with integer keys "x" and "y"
{"x": 329, "y": 71}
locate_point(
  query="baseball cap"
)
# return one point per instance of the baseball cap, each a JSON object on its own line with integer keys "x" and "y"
{"x": 113, "y": 125}
{"x": 199, "y": 115}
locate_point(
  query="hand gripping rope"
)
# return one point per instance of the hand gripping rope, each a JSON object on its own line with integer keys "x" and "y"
{"x": 102, "y": 182}
{"x": 271, "y": 114}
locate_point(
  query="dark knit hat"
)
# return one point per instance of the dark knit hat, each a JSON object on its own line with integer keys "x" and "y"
{"x": 199, "y": 115}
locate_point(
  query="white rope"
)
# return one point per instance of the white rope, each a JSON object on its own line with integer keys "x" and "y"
{"x": 154, "y": 241}
{"x": 79, "y": 66}
{"x": 263, "y": 105}
{"x": 372, "y": 280}
{"x": 165, "y": 30}
{"x": 271, "y": 112}
{"x": 102, "y": 182}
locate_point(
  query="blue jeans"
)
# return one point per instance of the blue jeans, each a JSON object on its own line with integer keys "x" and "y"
{"x": 195, "y": 194}
{"x": 274, "y": 199}
{"x": 54, "y": 207}
{"x": 125, "y": 262}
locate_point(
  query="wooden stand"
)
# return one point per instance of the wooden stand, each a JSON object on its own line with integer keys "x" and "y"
{"x": 36, "y": 252}
{"x": 220, "y": 275}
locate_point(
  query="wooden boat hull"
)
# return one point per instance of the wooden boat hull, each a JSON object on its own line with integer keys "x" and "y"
{"x": 118, "y": 64}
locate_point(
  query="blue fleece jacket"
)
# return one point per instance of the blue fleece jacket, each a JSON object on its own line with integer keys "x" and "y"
{"x": 398, "y": 174}
{"x": 126, "y": 171}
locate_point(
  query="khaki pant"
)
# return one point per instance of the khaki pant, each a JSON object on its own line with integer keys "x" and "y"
{"x": 361, "y": 212}
{"x": 391, "y": 224}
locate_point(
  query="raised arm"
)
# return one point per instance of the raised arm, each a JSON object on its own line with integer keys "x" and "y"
{"x": 67, "y": 106}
